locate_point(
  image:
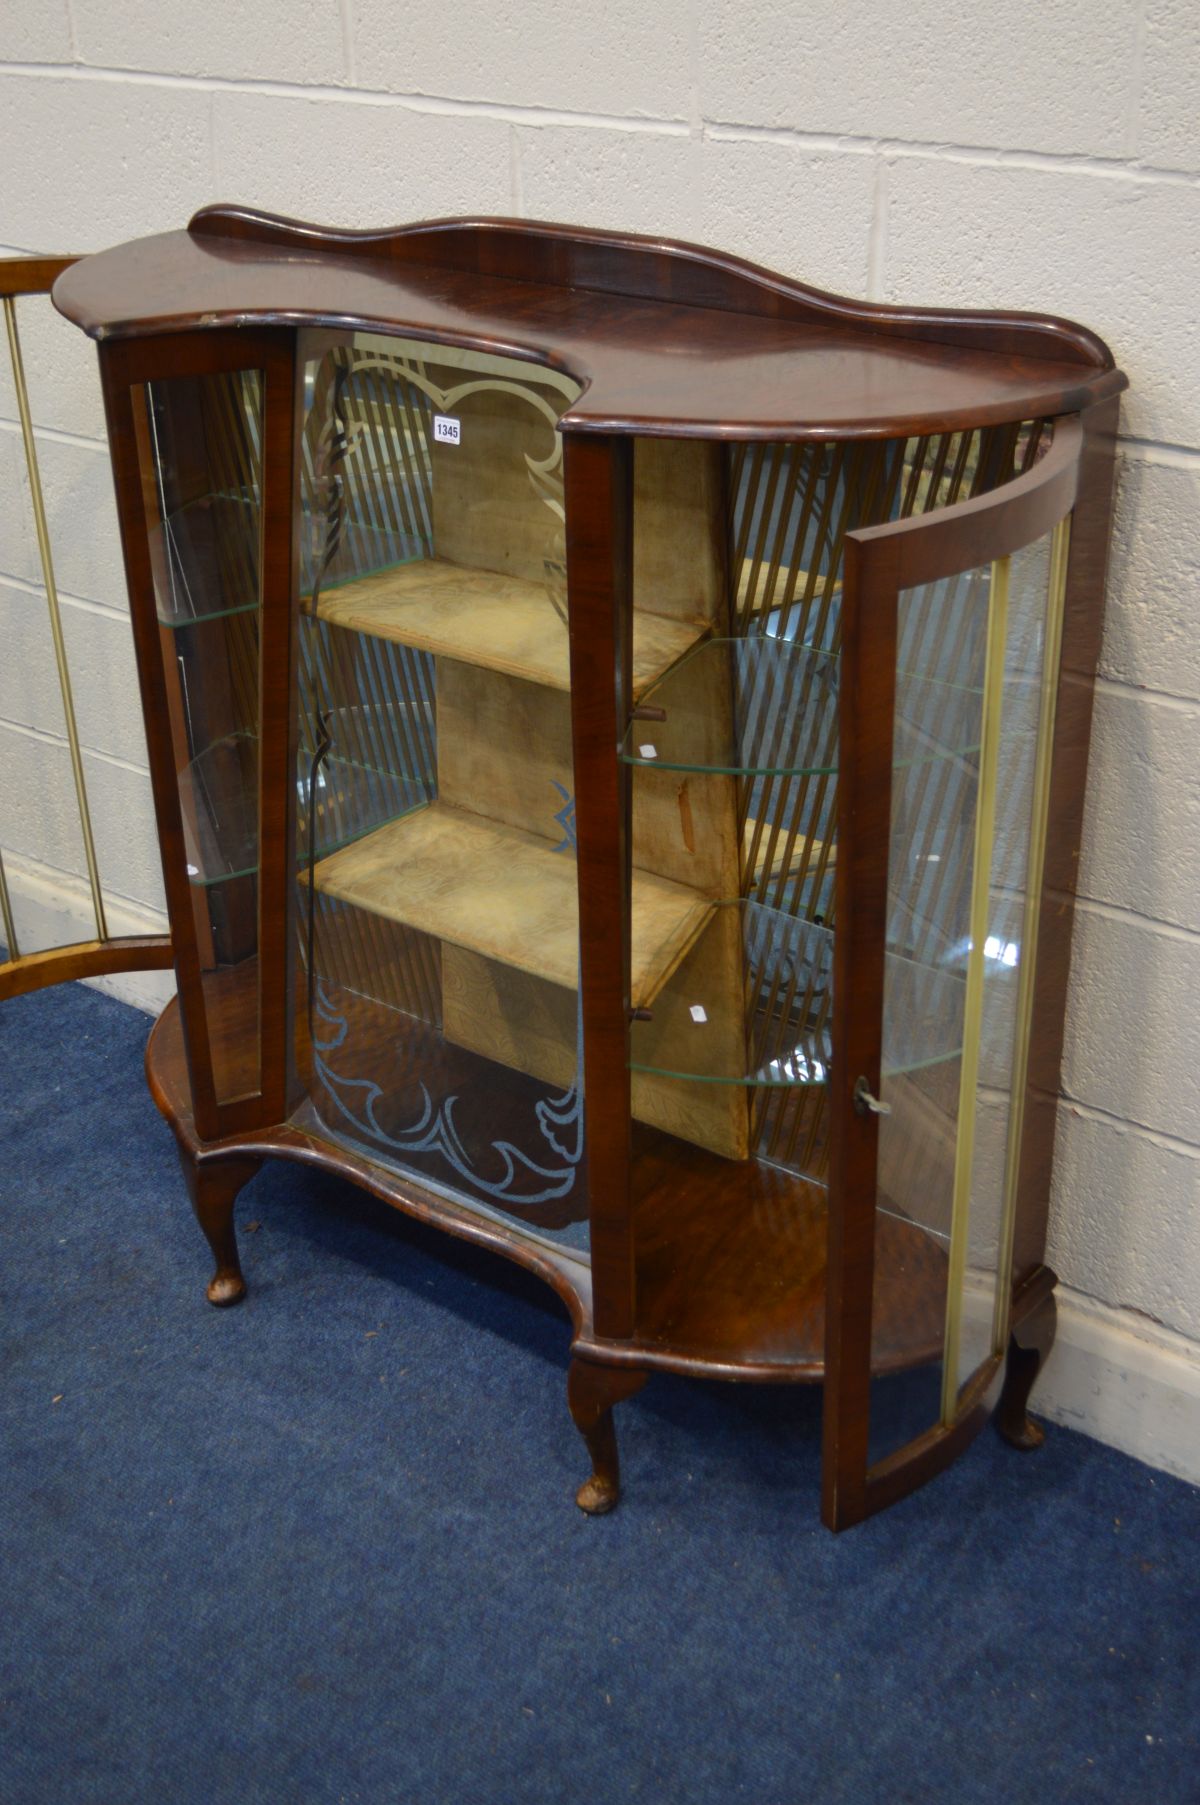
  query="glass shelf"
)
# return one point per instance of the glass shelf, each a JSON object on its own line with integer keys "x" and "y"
{"x": 206, "y": 553}
{"x": 218, "y": 797}
{"x": 361, "y": 785}
{"x": 205, "y": 559}
{"x": 363, "y": 548}
{"x": 352, "y": 799}
{"x": 387, "y": 740}
{"x": 766, "y": 707}
{"x": 785, "y": 1035}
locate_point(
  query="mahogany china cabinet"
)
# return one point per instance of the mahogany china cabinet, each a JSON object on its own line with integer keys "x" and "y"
{"x": 618, "y": 723}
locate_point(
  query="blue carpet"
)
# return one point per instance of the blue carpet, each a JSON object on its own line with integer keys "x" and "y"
{"x": 322, "y": 1548}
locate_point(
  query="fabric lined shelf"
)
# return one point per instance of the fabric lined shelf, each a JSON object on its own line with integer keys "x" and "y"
{"x": 503, "y": 623}
{"x": 504, "y": 893}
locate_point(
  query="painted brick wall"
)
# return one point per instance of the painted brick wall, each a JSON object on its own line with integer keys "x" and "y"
{"x": 1042, "y": 155}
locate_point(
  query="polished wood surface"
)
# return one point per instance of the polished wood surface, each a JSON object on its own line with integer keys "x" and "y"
{"x": 85, "y": 959}
{"x": 31, "y": 275}
{"x": 598, "y": 477}
{"x": 662, "y": 338}
{"x": 1029, "y": 1348}
{"x": 731, "y": 1261}
{"x": 926, "y": 547}
{"x": 1083, "y": 627}
{"x": 213, "y": 1186}
{"x": 123, "y": 370}
{"x": 592, "y": 1392}
{"x": 866, "y": 703}
{"x": 653, "y": 269}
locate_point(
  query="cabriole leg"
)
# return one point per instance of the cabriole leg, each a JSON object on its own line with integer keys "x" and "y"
{"x": 591, "y": 1393}
{"x": 213, "y": 1188}
{"x": 1028, "y": 1348}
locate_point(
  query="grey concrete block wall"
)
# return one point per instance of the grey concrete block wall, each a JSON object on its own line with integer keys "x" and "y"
{"x": 1047, "y": 156}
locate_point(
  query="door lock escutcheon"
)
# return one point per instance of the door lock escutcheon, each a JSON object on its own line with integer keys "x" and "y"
{"x": 866, "y": 1104}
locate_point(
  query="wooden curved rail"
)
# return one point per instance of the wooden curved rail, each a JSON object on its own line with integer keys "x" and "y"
{"x": 84, "y": 959}
{"x": 21, "y": 973}
{"x": 654, "y": 269}
{"x": 664, "y": 339}
{"x": 31, "y": 275}
{"x": 928, "y": 546}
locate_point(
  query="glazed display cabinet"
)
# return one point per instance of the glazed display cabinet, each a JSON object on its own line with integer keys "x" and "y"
{"x": 618, "y": 724}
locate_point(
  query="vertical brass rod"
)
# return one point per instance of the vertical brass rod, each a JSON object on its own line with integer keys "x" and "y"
{"x": 60, "y": 649}
{"x": 981, "y": 873}
{"x": 1039, "y": 817}
{"x": 10, "y": 932}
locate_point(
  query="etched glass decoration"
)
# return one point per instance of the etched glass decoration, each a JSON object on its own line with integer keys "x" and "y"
{"x": 436, "y": 906}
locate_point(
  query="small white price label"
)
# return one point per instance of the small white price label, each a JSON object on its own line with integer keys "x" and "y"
{"x": 699, "y": 1013}
{"x": 447, "y": 430}
{"x": 647, "y": 752}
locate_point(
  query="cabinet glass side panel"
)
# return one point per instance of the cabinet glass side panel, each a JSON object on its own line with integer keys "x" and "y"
{"x": 959, "y": 909}
{"x": 199, "y": 442}
{"x": 436, "y": 908}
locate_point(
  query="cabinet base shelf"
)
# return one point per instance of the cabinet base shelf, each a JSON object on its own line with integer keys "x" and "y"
{"x": 748, "y": 1239}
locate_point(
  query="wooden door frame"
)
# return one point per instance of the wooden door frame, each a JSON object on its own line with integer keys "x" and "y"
{"x": 880, "y": 562}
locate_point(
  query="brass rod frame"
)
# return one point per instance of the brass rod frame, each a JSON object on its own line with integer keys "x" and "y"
{"x": 60, "y": 650}
{"x": 981, "y": 876}
{"x": 1039, "y": 820}
{"x": 11, "y": 948}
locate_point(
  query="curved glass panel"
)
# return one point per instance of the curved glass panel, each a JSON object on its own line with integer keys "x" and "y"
{"x": 436, "y": 909}
{"x": 764, "y": 707}
{"x": 781, "y": 1032}
{"x": 199, "y": 440}
{"x": 964, "y": 872}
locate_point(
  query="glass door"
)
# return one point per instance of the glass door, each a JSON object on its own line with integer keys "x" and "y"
{"x": 435, "y": 910}
{"x": 952, "y": 632}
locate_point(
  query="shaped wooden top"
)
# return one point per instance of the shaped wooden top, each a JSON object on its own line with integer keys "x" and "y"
{"x": 664, "y": 338}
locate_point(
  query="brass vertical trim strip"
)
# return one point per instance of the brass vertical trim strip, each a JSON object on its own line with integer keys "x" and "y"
{"x": 981, "y": 872}
{"x": 12, "y": 949}
{"x": 1039, "y": 820}
{"x": 60, "y": 649}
